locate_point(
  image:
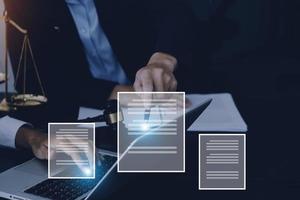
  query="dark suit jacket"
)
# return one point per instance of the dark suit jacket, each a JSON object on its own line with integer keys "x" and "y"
{"x": 135, "y": 29}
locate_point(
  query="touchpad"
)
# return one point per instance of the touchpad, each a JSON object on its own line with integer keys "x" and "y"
{"x": 34, "y": 166}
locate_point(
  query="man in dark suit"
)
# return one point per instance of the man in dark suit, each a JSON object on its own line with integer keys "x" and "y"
{"x": 88, "y": 50}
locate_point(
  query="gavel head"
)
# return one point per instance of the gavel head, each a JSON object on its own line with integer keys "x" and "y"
{"x": 111, "y": 114}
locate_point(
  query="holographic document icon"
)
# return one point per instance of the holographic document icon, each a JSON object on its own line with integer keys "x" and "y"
{"x": 222, "y": 162}
{"x": 151, "y": 136}
{"x": 71, "y": 150}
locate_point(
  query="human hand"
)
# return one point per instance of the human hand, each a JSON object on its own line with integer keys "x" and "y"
{"x": 157, "y": 75}
{"x": 37, "y": 141}
{"x": 33, "y": 139}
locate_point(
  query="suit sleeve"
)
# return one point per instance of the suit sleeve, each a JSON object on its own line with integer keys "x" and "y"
{"x": 174, "y": 22}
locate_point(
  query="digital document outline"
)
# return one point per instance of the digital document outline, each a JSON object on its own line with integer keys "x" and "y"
{"x": 118, "y": 133}
{"x": 199, "y": 158}
{"x": 93, "y": 151}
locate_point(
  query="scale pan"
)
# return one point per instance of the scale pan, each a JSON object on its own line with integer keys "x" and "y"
{"x": 4, "y": 107}
{"x": 2, "y": 78}
{"x": 28, "y": 100}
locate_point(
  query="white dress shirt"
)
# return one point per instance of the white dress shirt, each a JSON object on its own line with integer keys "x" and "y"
{"x": 8, "y": 130}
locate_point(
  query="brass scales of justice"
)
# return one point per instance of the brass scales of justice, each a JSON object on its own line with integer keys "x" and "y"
{"x": 20, "y": 99}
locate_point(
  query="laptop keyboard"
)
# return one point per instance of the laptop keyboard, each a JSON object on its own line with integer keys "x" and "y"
{"x": 68, "y": 189}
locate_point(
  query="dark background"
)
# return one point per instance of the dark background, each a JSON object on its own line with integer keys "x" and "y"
{"x": 251, "y": 45}
{"x": 249, "y": 48}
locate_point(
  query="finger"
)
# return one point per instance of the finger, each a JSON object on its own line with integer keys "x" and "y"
{"x": 52, "y": 153}
{"x": 173, "y": 85}
{"x": 167, "y": 81}
{"x": 138, "y": 85}
{"x": 147, "y": 86}
{"x": 52, "y": 148}
{"x": 45, "y": 153}
{"x": 44, "y": 147}
{"x": 45, "y": 143}
{"x": 41, "y": 153}
{"x": 158, "y": 80}
{"x": 147, "y": 81}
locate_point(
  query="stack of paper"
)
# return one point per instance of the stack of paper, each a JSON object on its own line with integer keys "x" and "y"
{"x": 221, "y": 115}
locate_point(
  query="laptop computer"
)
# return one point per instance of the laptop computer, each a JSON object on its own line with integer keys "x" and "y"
{"x": 29, "y": 181}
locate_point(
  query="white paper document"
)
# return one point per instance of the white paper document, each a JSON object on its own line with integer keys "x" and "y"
{"x": 221, "y": 115}
{"x": 85, "y": 112}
